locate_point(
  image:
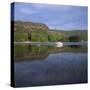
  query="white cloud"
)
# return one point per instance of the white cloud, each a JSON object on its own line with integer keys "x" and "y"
{"x": 52, "y": 7}
{"x": 28, "y": 11}
{"x": 41, "y": 6}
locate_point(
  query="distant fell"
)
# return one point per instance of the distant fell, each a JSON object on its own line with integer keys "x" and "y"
{"x": 29, "y": 26}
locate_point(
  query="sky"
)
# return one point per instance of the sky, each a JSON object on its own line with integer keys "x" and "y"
{"x": 63, "y": 17}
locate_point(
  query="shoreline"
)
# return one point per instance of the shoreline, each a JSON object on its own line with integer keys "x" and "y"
{"x": 58, "y": 44}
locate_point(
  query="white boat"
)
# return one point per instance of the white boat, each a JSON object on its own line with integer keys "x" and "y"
{"x": 59, "y": 44}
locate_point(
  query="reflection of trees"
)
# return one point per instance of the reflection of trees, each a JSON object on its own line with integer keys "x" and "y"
{"x": 32, "y": 52}
{"x": 29, "y": 48}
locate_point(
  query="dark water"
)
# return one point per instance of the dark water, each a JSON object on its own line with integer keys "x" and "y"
{"x": 50, "y": 65}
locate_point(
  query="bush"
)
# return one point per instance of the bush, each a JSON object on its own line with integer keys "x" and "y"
{"x": 75, "y": 38}
{"x": 20, "y": 36}
{"x": 39, "y": 36}
{"x": 51, "y": 37}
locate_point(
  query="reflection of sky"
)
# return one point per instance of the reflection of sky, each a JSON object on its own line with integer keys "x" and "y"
{"x": 55, "y": 16}
{"x": 61, "y": 68}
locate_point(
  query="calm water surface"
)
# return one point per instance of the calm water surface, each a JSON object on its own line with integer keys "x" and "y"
{"x": 50, "y": 65}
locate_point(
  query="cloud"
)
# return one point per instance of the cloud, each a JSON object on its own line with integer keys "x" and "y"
{"x": 52, "y": 6}
{"x": 55, "y": 16}
{"x": 28, "y": 11}
{"x": 42, "y": 6}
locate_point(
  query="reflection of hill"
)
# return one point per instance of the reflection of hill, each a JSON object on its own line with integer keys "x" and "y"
{"x": 28, "y": 52}
{"x": 31, "y": 52}
{"x": 72, "y": 49}
{"x": 30, "y": 57}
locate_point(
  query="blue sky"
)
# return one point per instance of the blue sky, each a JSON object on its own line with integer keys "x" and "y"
{"x": 55, "y": 16}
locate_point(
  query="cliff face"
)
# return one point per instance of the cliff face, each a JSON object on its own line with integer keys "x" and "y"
{"x": 29, "y": 26}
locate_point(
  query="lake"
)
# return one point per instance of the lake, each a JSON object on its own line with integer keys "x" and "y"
{"x": 50, "y": 65}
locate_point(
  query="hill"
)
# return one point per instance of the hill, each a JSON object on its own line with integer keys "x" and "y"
{"x": 82, "y": 33}
{"x": 31, "y": 31}
{"x": 29, "y": 26}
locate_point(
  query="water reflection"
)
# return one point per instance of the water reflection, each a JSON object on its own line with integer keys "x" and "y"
{"x": 49, "y": 65}
{"x": 33, "y": 52}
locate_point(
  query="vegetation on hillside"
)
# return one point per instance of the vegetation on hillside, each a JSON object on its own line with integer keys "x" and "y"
{"x": 82, "y": 33}
{"x": 29, "y": 31}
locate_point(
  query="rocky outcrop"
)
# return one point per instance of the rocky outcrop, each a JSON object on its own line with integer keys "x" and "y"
{"x": 29, "y": 26}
